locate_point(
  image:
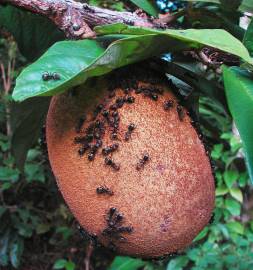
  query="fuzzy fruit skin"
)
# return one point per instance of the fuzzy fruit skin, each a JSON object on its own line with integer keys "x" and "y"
{"x": 167, "y": 203}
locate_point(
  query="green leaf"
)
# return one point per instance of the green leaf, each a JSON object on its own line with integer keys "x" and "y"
{"x": 147, "y": 6}
{"x": 239, "y": 92}
{"x": 4, "y": 243}
{"x": 248, "y": 38}
{"x": 233, "y": 207}
{"x": 126, "y": 263}
{"x": 27, "y": 120}
{"x": 8, "y": 174}
{"x": 178, "y": 263}
{"x": 230, "y": 177}
{"x": 29, "y": 30}
{"x": 201, "y": 235}
{"x": 236, "y": 227}
{"x": 237, "y": 194}
{"x": 221, "y": 190}
{"x": 76, "y": 61}
{"x": 59, "y": 264}
{"x": 16, "y": 251}
{"x": 192, "y": 38}
{"x": 70, "y": 265}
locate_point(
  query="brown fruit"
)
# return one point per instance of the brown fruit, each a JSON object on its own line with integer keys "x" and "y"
{"x": 162, "y": 189}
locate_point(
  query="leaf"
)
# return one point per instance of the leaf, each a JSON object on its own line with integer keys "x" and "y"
{"x": 27, "y": 119}
{"x": 76, "y": 61}
{"x": 29, "y": 30}
{"x": 233, "y": 207}
{"x": 16, "y": 251}
{"x": 126, "y": 263}
{"x": 192, "y": 38}
{"x": 221, "y": 190}
{"x": 230, "y": 177}
{"x": 4, "y": 243}
{"x": 59, "y": 264}
{"x": 147, "y": 6}
{"x": 8, "y": 174}
{"x": 236, "y": 227}
{"x": 239, "y": 91}
{"x": 201, "y": 235}
{"x": 248, "y": 38}
{"x": 70, "y": 265}
{"x": 237, "y": 194}
{"x": 178, "y": 263}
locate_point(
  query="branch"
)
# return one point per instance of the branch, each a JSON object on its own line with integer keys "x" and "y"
{"x": 77, "y": 19}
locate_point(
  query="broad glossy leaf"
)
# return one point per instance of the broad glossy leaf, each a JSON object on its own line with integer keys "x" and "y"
{"x": 193, "y": 38}
{"x": 31, "y": 31}
{"x": 126, "y": 263}
{"x": 248, "y": 38}
{"x": 147, "y": 6}
{"x": 76, "y": 61}
{"x": 239, "y": 91}
{"x": 27, "y": 120}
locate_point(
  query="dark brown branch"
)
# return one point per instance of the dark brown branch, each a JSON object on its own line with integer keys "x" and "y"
{"x": 77, "y": 20}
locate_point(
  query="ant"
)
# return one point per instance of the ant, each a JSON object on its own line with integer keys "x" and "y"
{"x": 130, "y": 130}
{"x": 46, "y": 76}
{"x": 168, "y": 104}
{"x": 104, "y": 190}
{"x": 142, "y": 161}
{"x": 180, "y": 111}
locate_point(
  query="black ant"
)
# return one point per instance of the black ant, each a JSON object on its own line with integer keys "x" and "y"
{"x": 80, "y": 124}
{"x": 109, "y": 149}
{"x": 180, "y": 112}
{"x": 130, "y": 130}
{"x": 110, "y": 162}
{"x": 104, "y": 190}
{"x": 142, "y": 161}
{"x": 46, "y": 76}
{"x": 168, "y": 105}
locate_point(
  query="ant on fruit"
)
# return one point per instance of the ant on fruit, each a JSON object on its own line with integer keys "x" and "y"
{"x": 180, "y": 111}
{"x": 104, "y": 190}
{"x": 142, "y": 161}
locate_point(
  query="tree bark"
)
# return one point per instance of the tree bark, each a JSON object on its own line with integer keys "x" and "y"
{"x": 77, "y": 19}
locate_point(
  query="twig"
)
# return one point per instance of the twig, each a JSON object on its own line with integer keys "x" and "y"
{"x": 89, "y": 251}
{"x": 7, "y": 81}
{"x": 77, "y": 19}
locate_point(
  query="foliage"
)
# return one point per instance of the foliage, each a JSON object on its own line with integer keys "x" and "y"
{"x": 35, "y": 224}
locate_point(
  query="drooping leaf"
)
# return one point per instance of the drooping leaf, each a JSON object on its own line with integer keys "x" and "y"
{"x": 178, "y": 263}
{"x": 239, "y": 91}
{"x": 236, "y": 227}
{"x": 27, "y": 119}
{"x": 76, "y": 61}
{"x": 60, "y": 264}
{"x": 31, "y": 31}
{"x": 147, "y": 6}
{"x": 16, "y": 251}
{"x": 126, "y": 263}
{"x": 233, "y": 207}
{"x": 237, "y": 194}
{"x": 248, "y": 38}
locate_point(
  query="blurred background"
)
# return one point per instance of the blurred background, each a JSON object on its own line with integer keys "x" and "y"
{"x": 37, "y": 231}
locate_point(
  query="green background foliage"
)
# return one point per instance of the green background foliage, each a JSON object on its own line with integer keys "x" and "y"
{"x": 36, "y": 227}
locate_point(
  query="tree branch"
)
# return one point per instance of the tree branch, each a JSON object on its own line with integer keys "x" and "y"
{"x": 77, "y": 19}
